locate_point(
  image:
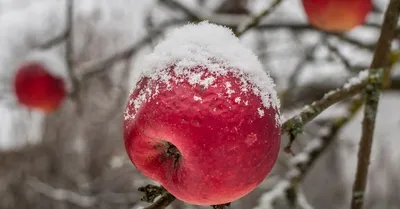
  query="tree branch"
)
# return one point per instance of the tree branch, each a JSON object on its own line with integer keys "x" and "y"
{"x": 54, "y": 41}
{"x": 61, "y": 194}
{"x": 300, "y": 27}
{"x": 188, "y": 12}
{"x": 92, "y": 68}
{"x": 295, "y": 124}
{"x": 255, "y": 20}
{"x": 163, "y": 202}
{"x": 302, "y": 163}
{"x": 372, "y": 93}
{"x": 69, "y": 51}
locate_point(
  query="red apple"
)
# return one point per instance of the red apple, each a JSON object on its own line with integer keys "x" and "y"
{"x": 37, "y": 88}
{"x": 337, "y": 15}
{"x": 209, "y": 133}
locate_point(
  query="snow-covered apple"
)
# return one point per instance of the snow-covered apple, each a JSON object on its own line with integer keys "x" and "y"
{"x": 36, "y": 85}
{"x": 203, "y": 118}
{"x": 337, "y": 15}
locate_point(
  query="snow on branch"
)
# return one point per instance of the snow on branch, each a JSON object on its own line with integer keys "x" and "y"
{"x": 294, "y": 125}
{"x": 287, "y": 188}
{"x": 372, "y": 93}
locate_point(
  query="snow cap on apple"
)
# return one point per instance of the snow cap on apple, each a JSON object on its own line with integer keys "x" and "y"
{"x": 203, "y": 118}
{"x": 41, "y": 81}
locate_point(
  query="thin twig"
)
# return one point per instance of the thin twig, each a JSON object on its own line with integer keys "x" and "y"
{"x": 303, "y": 167}
{"x": 301, "y": 27}
{"x": 54, "y": 41}
{"x": 163, "y": 202}
{"x": 177, "y": 5}
{"x": 69, "y": 50}
{"x": 299, "y": 68}
{"x": 61, "y": 194}
{"x": 302, "y": 163}
{"x": 92, "y": 68}
{"x": 295, "y": 124}
{"x": 257, "y": 19}
{"x": 341, "y": 57}
{"x": 69, "y": 43}
{"x": 75, "y": 198}
{"x": 372, "y": 92}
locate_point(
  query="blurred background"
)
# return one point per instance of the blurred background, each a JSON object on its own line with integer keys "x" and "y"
{"x": 74, "y": 158}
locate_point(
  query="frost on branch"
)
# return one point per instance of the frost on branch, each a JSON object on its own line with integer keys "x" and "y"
{"x": 286, "y": 190}
{"x": 210, "y": 47}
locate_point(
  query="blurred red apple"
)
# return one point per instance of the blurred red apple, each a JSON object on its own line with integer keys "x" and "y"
{"x": 37, "y": 88}
{"x": 203, "y": 127}
{"x": 337, "y": 15}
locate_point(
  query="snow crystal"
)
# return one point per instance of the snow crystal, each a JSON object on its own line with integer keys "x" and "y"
{"x": 229, "y": 91}
{"x": 196, "y": 98}
{"x": 356, "y": 80}
{"x": 260, "y": 112}
{"x": 211, "y": 47}
{"x": 237, "y": 100}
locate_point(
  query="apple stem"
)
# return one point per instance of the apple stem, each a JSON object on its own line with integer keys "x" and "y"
{"x": 172, "y": 151}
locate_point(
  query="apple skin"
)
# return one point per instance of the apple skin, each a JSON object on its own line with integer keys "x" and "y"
{"x": 336, "y": 15}
{"x": 36, "y": 88}
{"x": 226, "y": 148}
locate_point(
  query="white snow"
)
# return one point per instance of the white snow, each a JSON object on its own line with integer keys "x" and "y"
{"x": 356, "y": 80}
{"x": 268, "y": 198}
{"x": 54, "y": 63}
{"x": 215, "y": 48}
{"x": 300, "y": 158}
{"x": 197, "y": 98}
{"x": 237, "y": 100}
{"x": 26, "y": 25}
{"x": 229, "y": 91}
{"x": 260, "y": 112}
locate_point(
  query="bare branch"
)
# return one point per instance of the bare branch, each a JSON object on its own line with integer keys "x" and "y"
{"x": 300, "y": 27}
{"x": 294, "y": 125}
{"x": 69, "y": 51}
{"x": 92, "y": 68}
{"x": 372, "y": 92}
{"x": 163, "y": 202}
{"x": 188, "y": 12}
{"x": 83, "y": 201}
{"x": 302, "y": 163}
{"x": 255, "y": 20}
{"x": 336, "y": 51}
{"x": 54, "y": 41}
{"x": 61, "y": 194}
